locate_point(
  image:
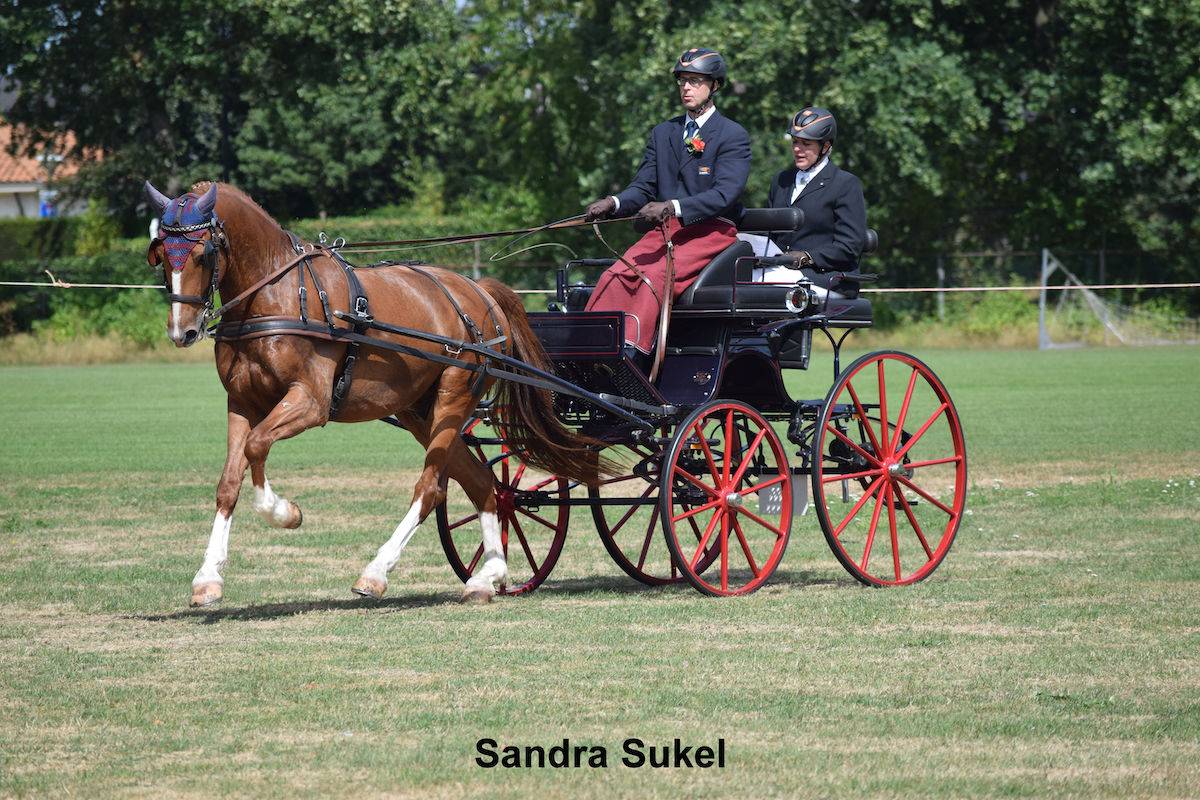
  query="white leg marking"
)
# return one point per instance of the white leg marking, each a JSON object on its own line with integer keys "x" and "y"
{"x": 495, "y": 569}
{"x": 176, "y": 284}
{"x": 217, "y": 552}
{"x": 385, "y": 560}
{"x": 275, "y": 510}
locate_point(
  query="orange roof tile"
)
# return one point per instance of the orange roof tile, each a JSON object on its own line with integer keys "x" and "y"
{"x": 21, "y": 169}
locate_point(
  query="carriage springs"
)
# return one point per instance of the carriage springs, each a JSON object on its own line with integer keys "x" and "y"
{"x": 635, "y": 753}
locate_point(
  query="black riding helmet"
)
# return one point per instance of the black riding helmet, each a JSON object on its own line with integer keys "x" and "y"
{"x": 703, "y": 61}
{"x": 815, "y": 124}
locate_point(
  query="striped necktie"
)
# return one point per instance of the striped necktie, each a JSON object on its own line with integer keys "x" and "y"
{"x": 691, "y": 130}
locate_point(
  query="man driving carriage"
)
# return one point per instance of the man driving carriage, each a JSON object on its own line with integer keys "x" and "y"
{"x": 835, "y": 213}
{"x": 694, "y": 170}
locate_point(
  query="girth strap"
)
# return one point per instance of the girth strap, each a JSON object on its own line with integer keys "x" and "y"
{"x": 360, "y": 315}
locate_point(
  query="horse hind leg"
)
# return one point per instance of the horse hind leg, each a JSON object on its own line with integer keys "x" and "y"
{"x": 445, "y": 457}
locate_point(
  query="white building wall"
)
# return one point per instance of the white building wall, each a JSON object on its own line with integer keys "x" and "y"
{"x": 18, "y": 200}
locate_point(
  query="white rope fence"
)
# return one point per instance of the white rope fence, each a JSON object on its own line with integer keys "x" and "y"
{"x": 55, "y": 283}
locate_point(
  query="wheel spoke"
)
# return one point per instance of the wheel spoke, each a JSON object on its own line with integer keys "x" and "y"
{"x": 697, "y": 510}
{"x": 708, "y": 456}
{"x": 737, "y": 527}
{"x": 934, "y": 462}
{"x": 538, "y": 518}
{"x": 540, "y": 484}
{"x": 891, "y": 507}
{"x": 760, "y": 520}
{"x": 862, "y": 416}
{"x": 710, "y": 491}
{"x": 853, "y": 446}
{"x": 475, "y": 561}
{"x": 516, "y": 481}
{"x": 926, "y": 495}
{"x": 912, "y": 520}
{"x": 651, "y": 529}
{"x": 633, "y": 509}
{"x": 851, "y": 476}
{"x": 883, "y": 425}
{"x": 524, "y": 545}
{"x": 725, "y": 546}
{"x": 649, "y": 538}
{"x": 874, "y": 525}
{"x": 728, "y": 443}
{"x": 741, "y": 470}
{"x": 912, "y": 382}
{"x": 921, "y": 431}
{"x": 464, "y": 521}
{"x": 712, "y": 524}
{"x": 862, "y": 501}
{"x": 767, "y": 484}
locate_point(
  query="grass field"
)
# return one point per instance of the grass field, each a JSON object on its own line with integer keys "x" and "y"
{"x": 1052, "y": 654}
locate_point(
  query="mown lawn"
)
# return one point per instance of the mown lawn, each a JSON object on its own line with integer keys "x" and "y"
{"x": 1054, "y": 653}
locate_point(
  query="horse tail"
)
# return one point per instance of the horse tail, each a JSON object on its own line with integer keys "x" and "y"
{"x": 526, "y": 413}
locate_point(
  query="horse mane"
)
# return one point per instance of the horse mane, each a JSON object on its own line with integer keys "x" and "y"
{"x": 228, "y": 190}
{"x": 256, "y": 238}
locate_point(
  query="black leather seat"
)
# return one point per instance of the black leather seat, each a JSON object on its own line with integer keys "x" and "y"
{"x": 714, "y": 287}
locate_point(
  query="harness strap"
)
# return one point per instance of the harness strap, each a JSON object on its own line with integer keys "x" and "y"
{"x": 472, "y": 328}
{"x": 360, "y": 315}
{"x": 265, "y": 280}
{"x": 481, "y": 375}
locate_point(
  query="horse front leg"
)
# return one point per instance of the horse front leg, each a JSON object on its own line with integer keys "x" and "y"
{"x": 208, "y": 586}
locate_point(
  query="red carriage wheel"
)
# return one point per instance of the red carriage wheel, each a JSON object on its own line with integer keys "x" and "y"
{"x": 532, "y": 533}
{"x": 889, "y": 432}
{"x": 630, "y": 530}
{"x": 721, "y": 460}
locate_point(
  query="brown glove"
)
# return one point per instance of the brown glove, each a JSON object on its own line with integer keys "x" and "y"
{"x": 803, "y": 259}
{"x": 600, "y": 209}
{"x": 657, "y": 213}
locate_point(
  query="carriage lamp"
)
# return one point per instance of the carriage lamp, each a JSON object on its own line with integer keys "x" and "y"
{"x": 800, "y": 297}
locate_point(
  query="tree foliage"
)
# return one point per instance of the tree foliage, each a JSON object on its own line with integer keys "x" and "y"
{"x": 1008, "y": 125}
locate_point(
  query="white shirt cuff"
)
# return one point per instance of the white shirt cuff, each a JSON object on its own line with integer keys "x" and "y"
{"x": 678, "y": 210}
{"x": 617, "y": 201}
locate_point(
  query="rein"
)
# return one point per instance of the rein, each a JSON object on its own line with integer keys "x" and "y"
{"x": 261, "y": 282}
{"x": 566, "y": 223}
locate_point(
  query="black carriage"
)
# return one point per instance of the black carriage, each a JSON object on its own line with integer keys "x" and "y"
{"x": 716, "y": 453}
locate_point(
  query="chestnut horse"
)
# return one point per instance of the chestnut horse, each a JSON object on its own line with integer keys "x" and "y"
{"x": 280, "y": 384}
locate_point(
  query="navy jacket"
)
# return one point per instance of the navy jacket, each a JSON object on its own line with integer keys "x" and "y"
{"x": 706, "y": 185}
{"x": 835, "y": 216}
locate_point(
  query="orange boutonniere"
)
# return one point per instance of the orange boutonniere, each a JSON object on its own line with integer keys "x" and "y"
{"x": 695, "y": 145}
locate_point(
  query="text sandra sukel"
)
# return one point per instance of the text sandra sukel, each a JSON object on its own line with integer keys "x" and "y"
{"x": 634, "y": 753}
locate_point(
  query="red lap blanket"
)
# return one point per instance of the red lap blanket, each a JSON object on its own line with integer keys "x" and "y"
{"x": 621, "y": 289}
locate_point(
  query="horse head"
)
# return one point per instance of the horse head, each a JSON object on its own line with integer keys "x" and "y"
{"x": 189, "y": 246}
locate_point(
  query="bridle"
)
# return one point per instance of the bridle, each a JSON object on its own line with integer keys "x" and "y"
{"x": 215, "y": 242}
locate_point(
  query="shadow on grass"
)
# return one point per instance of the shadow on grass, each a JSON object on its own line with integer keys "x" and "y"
{"x": 209, "y": 616}
{"x": 576, "y": 587}
{"x": 619, "y": 584}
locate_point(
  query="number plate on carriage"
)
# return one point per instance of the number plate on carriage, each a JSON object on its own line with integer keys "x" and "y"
{"x": 770, "y": 499}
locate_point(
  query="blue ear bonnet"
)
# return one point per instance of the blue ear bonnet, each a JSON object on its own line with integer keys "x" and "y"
{"x": 183, "y": 212}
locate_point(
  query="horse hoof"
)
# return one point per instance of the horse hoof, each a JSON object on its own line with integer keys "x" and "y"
{"x": 207, "y": 594}
{"x": 295, "y": 517}
{"x": 369, "y": 587}
{"x": 474, "y": 595}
